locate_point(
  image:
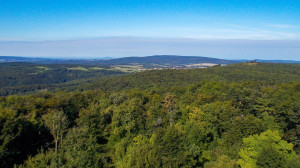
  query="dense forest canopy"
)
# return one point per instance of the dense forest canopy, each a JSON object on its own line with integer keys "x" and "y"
{"x": 242, "y": 115}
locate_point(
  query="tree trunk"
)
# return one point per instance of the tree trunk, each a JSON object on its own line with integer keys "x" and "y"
{"x": 56, "y": 142}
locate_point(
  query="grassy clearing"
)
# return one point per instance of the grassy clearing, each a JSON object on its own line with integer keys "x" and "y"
{"x": 128, "y": 68}
{"x": 78, "y": 68}
{"x": 96, "y": 68}
{"x": 43, "y": 68}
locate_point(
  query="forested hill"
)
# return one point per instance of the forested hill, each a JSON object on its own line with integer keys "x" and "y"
{"x": 257, "y": 72}
{"x": 21, "y": 77}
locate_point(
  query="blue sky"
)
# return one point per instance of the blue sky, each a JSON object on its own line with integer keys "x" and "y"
{"x": 98, "y": 28}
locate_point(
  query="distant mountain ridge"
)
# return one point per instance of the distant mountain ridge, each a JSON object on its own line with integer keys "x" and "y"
{"x": 279, "y": 61}
{"x": 269, "y": 61}
{"x": 166, "y": 59}
{"x": 47, "y": 60}
{"x": 156, "y": 59}
{"x": 21, "y": 59}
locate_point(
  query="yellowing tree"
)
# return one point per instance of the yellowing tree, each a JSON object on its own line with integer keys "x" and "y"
{"x": 255, "y": 145}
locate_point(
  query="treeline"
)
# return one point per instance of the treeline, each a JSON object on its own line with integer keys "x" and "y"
{"x": 207, "y": 124}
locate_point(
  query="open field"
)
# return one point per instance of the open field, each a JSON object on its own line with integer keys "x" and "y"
{"x": 78, "y": 68}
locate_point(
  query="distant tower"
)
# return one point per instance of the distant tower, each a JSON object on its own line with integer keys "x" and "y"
{"x": 252, "y": 61}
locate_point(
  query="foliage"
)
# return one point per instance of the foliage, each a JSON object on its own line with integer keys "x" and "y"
{"x": 178, "y": 123}
{"x": 266, "y": 150}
